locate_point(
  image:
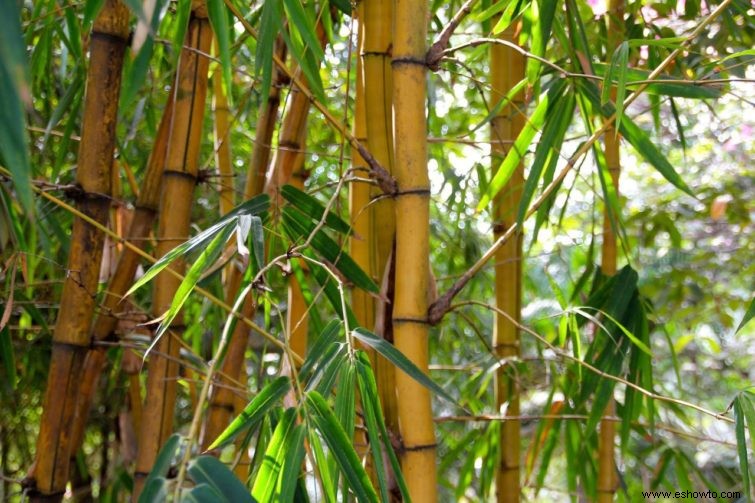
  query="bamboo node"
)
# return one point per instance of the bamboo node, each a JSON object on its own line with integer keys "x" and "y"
{"x": 409, "y": 192}
{"x": 408, "y": 60}
{"x": 420, "y": 447}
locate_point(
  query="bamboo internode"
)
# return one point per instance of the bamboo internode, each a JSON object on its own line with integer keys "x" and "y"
{"x": 507, "y": 69}
{"x": 410, "y": 326}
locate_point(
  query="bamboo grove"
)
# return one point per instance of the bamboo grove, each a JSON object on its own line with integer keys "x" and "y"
{"x": 375, "y": 250}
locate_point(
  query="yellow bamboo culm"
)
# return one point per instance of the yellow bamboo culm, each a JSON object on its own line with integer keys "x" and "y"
{"x": 506, "y": 70}
{"x": 360, "y": 215}
{"x": 71, "y": 336}
{"x": 378, "y": 89}
{"x": 360, "y": 212}
{"x": 145, "y": 211}
{"x": 410, "y": 327}
{"x": 179, "y": 180}
{"x": 607, "y": 476}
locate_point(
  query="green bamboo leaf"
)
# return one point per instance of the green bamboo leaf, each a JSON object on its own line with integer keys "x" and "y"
{"x": 208, "y": 257}
{"x": 291, "y": 473}
{"x": 91, "y": 9}
{"x": 321, "y": 460}
{"x": 308, "y": 62}
{"x": 739, "y": 426}
{"x": 343, "y": 5}
{"x": 13, "y": 88}
{"x": 155, "y": 491}
{"x": 345, "y": 397}
{"x": 311, "y": 207}
{"x": 618, "y": 72}
{"x": 376, "y": 429}
{"x": 253, "y": 413}
{"x": 267, "y": 477}
{"x": 7, "y": 358}
{"x": 340, "y": 447}
{"x": 506, "y": 100}
{"x": 398, "y": 359}
{"x": 747, "y": 317}
{"x": 639, "y": 140}
{"x": 748, "y": 409}
{"x": 668, "y": 42}
{"x": 73, "y": 38}
{"x": 136, "y": 8}
{"x": 209, "y": 470}
{"x": 271, "y": 23}
{"x": 513, "y": 9}
{"x": 258, "y": 241}
{"x": 676, "y": 90}
{"x": 329, "y": 249}
{"x": 218, "y": 14}
{"x": 521, "y": 145}
{"x": 136, "y": 68}
{"x": 305, "y": 27}
{"x": 203, "y": 493}
{"x": 160, "y": 470}
{"x": 254, "y": 206}
{"x": 744, "y": 466}
{"x": 327, "y": 339}
{"x": 543, "y": 13}
{"x": 740, "y": 54}
{"x": 547, "y": 152}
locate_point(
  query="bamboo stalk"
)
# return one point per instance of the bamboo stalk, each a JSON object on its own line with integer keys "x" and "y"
{"x": 507, "y": 69}
{"x": 410, "y": 324}
{"x": 179, "y": 180}
{"x": 378, "y": 84}
{"x": 607, "y": 476}
{"x": 105, "y": 325}
{"x": 360, "y": 212}
{"x": 223, "y": 402}
{"x": 71, "y": 335}
{"x": 360, "y": 215}
{"x": 222, "y": 130}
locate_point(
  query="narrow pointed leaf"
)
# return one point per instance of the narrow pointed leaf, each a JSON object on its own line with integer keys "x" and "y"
{"x": 340, "y": 447}
{"x": 292, "y": 463}
{"x": 520, "y": 147}
{"x": 747, "y": 317}
{"x": 311, "y": 207}
{"x": 160, "y": 469}
{"x": 218, "y": 14}
{"x": 267, "y": 477}
{"x": 398, "y": 359}
{"x": 209, "y": 470}
{"x": 204, "y": 261}
{"x": 13, "y": 86}
{"x": 253, "y": 413}
{"x": 744, "y": 466}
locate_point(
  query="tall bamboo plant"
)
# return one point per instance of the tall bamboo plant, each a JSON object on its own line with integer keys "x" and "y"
{"x": 410, "y": 325}
{"x": 607, "y": 476}
{"x": 507, "y": 69}
{"x": 71, "y": 336}
{"x": 179, "y": 180}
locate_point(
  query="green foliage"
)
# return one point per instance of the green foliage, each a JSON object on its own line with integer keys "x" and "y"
{"x": 671, "y": 331}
